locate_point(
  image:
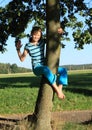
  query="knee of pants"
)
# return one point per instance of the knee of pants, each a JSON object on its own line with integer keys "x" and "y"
{"x": 46, "y": 70}
{"x": 65, "y": 71}
{"x": 62, "y": 70}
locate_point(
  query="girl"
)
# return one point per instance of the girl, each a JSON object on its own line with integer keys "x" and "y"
{"x": 35, "y": 48}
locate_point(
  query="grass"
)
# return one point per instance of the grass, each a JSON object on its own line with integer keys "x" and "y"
{"x": 74, "y": 126}
{"x": 18, "y": 92}
{"x": 78, "y": 93}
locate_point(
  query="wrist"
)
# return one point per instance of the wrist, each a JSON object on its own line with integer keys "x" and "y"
{"x": 17, "y": 49}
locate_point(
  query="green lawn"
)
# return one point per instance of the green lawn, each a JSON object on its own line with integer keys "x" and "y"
{"x": 18, "y": 92}
{"x": 74, "y": 126}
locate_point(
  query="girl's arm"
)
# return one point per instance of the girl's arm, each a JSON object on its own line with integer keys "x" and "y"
{"x": 22, "y": 56}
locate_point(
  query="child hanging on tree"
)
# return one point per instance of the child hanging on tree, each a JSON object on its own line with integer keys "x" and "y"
{"x": 35, "y": 48}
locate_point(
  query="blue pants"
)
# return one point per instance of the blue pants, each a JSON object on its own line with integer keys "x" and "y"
{"x": 44, "y": 70}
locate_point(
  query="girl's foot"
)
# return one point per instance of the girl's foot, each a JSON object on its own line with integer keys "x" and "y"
{"x": 58, "y": 90}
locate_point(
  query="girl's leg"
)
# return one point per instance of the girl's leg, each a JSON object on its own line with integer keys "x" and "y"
{"x": 63, "y": 79}
{"x": 39, "y": 70}
{"x": 44, "y": 70}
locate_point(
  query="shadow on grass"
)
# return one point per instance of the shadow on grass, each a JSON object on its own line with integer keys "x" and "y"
{"x": 84, "y": 91}
{"x": 82, "y": 80}
{"x": 78, "y": 83}
{"x": 19, "y": 82}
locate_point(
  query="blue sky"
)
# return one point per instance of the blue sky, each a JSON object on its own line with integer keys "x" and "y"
{"x": 68, "y": 55}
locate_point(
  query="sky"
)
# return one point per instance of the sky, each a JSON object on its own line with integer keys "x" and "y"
{"x": 68, "y": 56}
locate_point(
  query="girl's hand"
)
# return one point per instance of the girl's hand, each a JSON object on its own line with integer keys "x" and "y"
{"x": 18, "y": 45}
{"x": 60, "y": 31}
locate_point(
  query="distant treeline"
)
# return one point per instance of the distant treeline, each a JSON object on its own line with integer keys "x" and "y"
{"x": 78, "y": 67}
{"x": 8, "y": 68}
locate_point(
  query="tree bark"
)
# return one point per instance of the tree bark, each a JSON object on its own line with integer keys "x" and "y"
{"x": 43, "y": 108}
{"x": 42, "y": 113}
{"x": 53, "y": 38}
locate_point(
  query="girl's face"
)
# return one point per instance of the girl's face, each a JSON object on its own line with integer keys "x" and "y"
{"x": 36, "y": 36}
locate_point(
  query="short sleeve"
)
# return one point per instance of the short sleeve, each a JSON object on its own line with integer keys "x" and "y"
{"x": 26, "y": 47}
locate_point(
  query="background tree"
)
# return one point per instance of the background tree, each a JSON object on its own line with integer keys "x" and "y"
{"x": 15, "y": 17}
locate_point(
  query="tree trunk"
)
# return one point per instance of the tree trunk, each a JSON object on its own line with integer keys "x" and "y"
{"x": 43, "y": 108}
{"x": 53, "y": 38}
{"x": 42, "y": 113}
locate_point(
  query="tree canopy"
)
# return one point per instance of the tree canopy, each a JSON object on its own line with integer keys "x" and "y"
{"x": 74, "y": 14}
